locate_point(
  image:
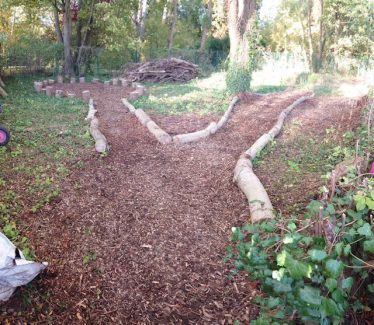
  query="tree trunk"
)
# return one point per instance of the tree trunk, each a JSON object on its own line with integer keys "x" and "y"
{"x": 172, "y": 23}
{"x": 142, "y": 13}
{"x": 68, "y": 61}
{"x": 206, "y": 27}
{"x": 57, "y": 24}
{"x": 239, "y": 14}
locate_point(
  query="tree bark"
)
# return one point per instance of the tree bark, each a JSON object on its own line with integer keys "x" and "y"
{"x": 68, "y": 61}
{"x": 142, "y": 13}
{"x": 172, "y": 21}
{"x": 206, "y": 27}
{"x": 57, "y": 24}
{"x": 239, "y": 14}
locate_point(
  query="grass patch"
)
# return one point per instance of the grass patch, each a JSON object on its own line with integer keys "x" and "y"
{"x": 267, "y": 89}
{"x": 47, "y": 136}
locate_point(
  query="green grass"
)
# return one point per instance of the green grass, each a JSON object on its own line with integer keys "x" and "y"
{"x": 47, "y": 136}
{"x": 201, "y": 96}
{"x": 269, "y": 89}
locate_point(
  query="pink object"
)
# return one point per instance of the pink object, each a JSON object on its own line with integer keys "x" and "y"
{"x": 372, "y": 168}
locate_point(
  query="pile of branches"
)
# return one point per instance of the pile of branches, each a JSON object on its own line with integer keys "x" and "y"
{"x": 166, "y": 70}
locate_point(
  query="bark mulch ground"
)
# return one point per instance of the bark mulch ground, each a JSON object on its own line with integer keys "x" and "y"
{"x": 139, "y": 236}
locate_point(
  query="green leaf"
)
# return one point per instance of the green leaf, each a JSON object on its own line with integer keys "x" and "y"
{"x": 281, "y": 258}
{"x": 331, "y": 284}
{"x": 369, "y": 246}
{"x": 347, "y": 250}
{"x": 278, "y": 275}
{"x": 273, "y": 302}
{"x": 347, "y": 283}
{"x": 339, "y": 248}
{"x": 360, "y": 202}
{"x": 310, "y": 295}
{"x": 317, "y": 255}
{"x": 291, "y": 226}
{"x": 334, "y": 268}
{"x": 370, "y": 203}
{"x": 365, "y": 230}
{"x": 330, "y": 308}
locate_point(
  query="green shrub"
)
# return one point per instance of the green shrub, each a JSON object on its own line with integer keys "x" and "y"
{"x": 238, "y": 79}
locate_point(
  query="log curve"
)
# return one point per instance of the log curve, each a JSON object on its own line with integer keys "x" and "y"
{"x": 260, "y": 205}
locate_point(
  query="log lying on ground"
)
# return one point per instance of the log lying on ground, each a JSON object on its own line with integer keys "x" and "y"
{"x": 3, "y": 93}
{"x": 259, "y": 203}
{"x": 162, "y": 136}
{"x": 91, "y": 110}
{"x": 211, "y": 129}
{"x": 162, "y": 70}
{"x": 101, "y": 143}
{"x": 2, "y": 84}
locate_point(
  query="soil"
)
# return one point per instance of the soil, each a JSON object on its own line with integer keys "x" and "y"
{"x": 140, "y": 236}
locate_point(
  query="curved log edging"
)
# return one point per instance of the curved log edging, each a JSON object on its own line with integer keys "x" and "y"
{"x": 260, "y": 205}
{"x": 101, "y": 143}
{"x": 165, "y": 138}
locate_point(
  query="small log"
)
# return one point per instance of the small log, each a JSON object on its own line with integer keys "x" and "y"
{"x": 106, "y": 84}
{"x": 70, "y": 95}
{"x": 45, "y": 83}
{"x": 142, "y": 116}
{"x": 195, "y": 136}
{"x": 49, "y": 90}
{"x": 226, "y": 116}
{"x": 124, "y": 82}
{"x": 38, "y": 86}
{"x": 2, "y": 84}
{"x": 130, "y": 107}
{"x": 60, "y": 79}
{"x": 73, "y": 80}
{"x": 260, "y": 144}
{"x": 160, "y": 134}
{"x": 115, "y": 81}
{"x": 91, "y": 110}
{"x": 60, "y": 93}
{"x": 51, "y": 81}
{"x": 134, "y": 95}
{"x": 101, "y": 143}
{"x": 259, "y": 202}
{"x": 86, "y": 96}
{"x": 82, "y": 80}
{"x": 3, "y": 93}
{"x": 95, "y": 80}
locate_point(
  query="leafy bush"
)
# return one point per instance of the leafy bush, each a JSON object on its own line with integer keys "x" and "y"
{"x": 238, "y": 79}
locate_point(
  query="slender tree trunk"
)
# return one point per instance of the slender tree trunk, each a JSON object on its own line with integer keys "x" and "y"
{"x": 239, "y": 14}
{"x": 68, "y": 60}
{"x": 306, "y": 44}
{"x": 57, "y": 24}
{"x": 142, "y": 13}
{"x": 322, "y": 36}
{"x": 172, "y": 23}
{"x": 206, "y": 27}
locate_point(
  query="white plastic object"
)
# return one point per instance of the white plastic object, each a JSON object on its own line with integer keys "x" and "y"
{"x": 15, "y": 270}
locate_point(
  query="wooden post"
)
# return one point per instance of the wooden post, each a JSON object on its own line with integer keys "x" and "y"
{"x": 106, "y": 84}
{"x": 51, "y": 81}
{"x": 72, "y": 80}
{"x": 59, "y": 93}
{"x": 49, "y": 90}
{"x": 60, "y": 79}
{"x": 95, "y": 80}
{"x": 82, "y": 80}
{"x": 38, "y": 86}
{"x": 86, "y": 95}
{"x": 115, "y": 81}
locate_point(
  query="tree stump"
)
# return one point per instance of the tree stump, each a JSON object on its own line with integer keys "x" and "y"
{"x": 38, "y": 86}
{"x": 49, "y": 90}
{"x": 115, "y": 81}
{"x": 45, "y": 83}
{"x": 51, "y": 81}
{"x": 60, "y": 79}
{"x": 124, "y": 82}
{"x": 95, "y": 80}
{"x": 72, "y": 80}
{"x": 60, "y": 93}
{"x": 106, "y": 84}
{"x": 86, "y": 95}
{"x": 82, "y": 80}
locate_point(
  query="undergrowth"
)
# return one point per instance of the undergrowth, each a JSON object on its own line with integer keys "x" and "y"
{"x": 316, "y": 267}
{"x": 47, "y": 137}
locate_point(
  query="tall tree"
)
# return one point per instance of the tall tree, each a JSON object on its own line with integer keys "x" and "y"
{"x": 238, "y": 19}
{"x": 172, "y": 22}
{"x": 206, "y": 25}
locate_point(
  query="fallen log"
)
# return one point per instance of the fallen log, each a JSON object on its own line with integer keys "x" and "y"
{"x": 195, "y": 136}
{"x": 91, "y": 110}
{"x": 101, "y": 143}
{"x": 259, "y": 202}
{"x": 3, "y": 93}
{"x": 142, "y": 116}
{"x": 2, "y": 84}
{"x": 226, "y": 116}
{"x": 128, "y": 105}
{"x": 160, "y": 134}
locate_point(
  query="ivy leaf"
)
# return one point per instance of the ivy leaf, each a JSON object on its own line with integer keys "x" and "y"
{"x": 339, "y": 248}
{"x": 370, "y": 203}
{"x": 334, "y": 268}
{"x": 296, "y": 269}
{"x": 278, "y": 275}
{"x": 331, "y": 284}
{"x": 317, "y": 255}
{"x": 369, "y": 246}
{"x": 347, "y": 250}
{"x": 291, "y": 226}
{"x": 310, "y": 295}
{"x": 347, "y": 283}
{"x": 365, "y": 230}
{"x": 360, "y": 202}
{"x": 329, "y": 308}
{"x": 273, "y": 302}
